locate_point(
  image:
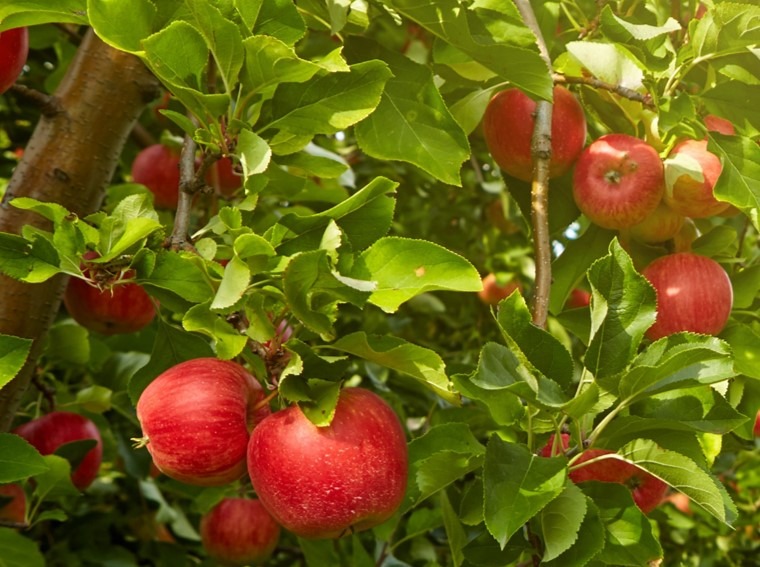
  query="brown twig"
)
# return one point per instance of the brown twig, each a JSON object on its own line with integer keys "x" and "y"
{"x": 47, "y": 392}
{"x": 49, "y": 105}
{"x": 541, "y": 150}
{"x": 625, "y": 92}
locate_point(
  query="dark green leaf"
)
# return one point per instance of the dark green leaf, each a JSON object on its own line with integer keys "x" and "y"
{"x": 18, "y": 459}
{"x": 18, "y": 550}
{"x": 561, "y": 521}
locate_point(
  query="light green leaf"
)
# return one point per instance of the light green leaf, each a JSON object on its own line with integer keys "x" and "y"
{"x": 608, "y": 62}
{"x": 739, "y": 182}
{"x": 95, "y": 399}
{"x": 404, "y": 268}
{"x": 228, "y": 341}
{"x": 626, "y": 31}
{"x": 517, "y": 485}
{"x": 277, "y": 18}
{"x": 107, "y": 18}
{"x": 181, "y": 274}
{"x": 255, "y": 153}
{"x": 236, "y": 279}
{"x": 33, "y": 262}
{"x": 13, "y": 354}
{"x": 250, "y": 245}
{"x": 18, "y": 459}
{"x": 392, "y": 352}
{"x": 505, "y": 407}
{"x": 561, "y": 521}
{"x": 269, "y": 62}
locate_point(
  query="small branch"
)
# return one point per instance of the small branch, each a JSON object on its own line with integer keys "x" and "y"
{"x": 625, "y": 92}
{"x": 142, "y": 136}
{"x": 71, "y": 31}
{"x": 47, "y": 392}
{"x": 50, "y": 106}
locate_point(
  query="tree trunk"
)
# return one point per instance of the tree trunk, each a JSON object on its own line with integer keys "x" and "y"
{"x": 70, "y": 159}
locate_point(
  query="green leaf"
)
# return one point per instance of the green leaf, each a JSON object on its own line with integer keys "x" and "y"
{"x": 19, "y": 551}
{"x": 131, "y": 222}
{"x": 500, "y": 368}
{"x": 18, "y": 459}
{"x": 182, "y": 274}
{"x": 624, "y": 31}
{"x": 325, "y": 104}
{"x": 269, "y": 62}
{"x": 20, "y": 13}
{"x": 542, "y": 349}
{"x": 726, "y": 28}
{"x": 561, "y": 521}
{"x": 228, "y": 341}
{"x": 31, "y": 262}
{"x": 107, "y": 18}
{"x": 13, "y": 354}
{"x": 444, "y": 454}
{"x": 493, "y": 34}
{"x": 743, "y": 341}
{"x": 395, "y": 353}
{"x": 455, "y": 533}
{"x": 622, "y": 310}
{"x": 684, "y": 475}
{"x": 255, "y": 153}
{"x": 95, "y": 399}
{"x": 517, "y": 485}
{"x": 68, "y": 343}
{"x": 628, "y": 536}
{"x": 746, "y": 284}
{"x": 277, "y": 18}
{"x": 678, "y": 361}
{"x": 171, "y": 347}
{"x": 56, "y": 481}
{"x": 609, "y": 62}
{"x": 590, "y": 540}
{"x": 412, "y": 123}
{"x": 739, "y": 182}
{"x": 236, "y": 279}
{"x": 505, "y": 408}
{"x": 404, "y": 268}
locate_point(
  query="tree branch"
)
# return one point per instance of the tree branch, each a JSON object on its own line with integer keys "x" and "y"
{"x": 625, "y": 92}
{"x": 48, "y": 105}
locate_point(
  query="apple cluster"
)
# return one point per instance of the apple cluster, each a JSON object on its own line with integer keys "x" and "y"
{"x": 621, "y": 182}
{"x": 207, "y": 422}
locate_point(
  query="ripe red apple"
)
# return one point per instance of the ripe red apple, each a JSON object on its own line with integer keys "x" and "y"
{"x": 14, "y": 48}
{"x": 756, "y": 430}
{"x": 508, "y": 126}
{"x": 549, "y": 450}
{"x": 647, "y": 490}
{"x": 223, "y": 178}
{"x": 618, "y": 181}
{"x": 239, "y": 531}
{"x": 196, "y": 419}
{"x": 324, "y": 482}
{"x": 691, "y": 192}
{"x": 12, "y": 504}
{"x": 661, "y": 225}
{"x": 720, "y": 125}
{"x": 112, "y": 309}
{"x": 693, "y": 294}
{"x": 157, "y": 167}
{"x": 578, "y": 298}
{"x": 493, "y": 291}
{"x": 49, "y": 432}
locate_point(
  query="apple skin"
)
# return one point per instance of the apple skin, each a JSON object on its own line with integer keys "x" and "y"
{"x": 492, "y": 292}
{"x": 157, "y": 167}
{"x": 14, "y": 49}
{"x": 578, "y": 298}
{"x": 324, "y": 482}
{"x": 239, "y": 531}
{"x": 14, "y": 511}
{"x": 508, "y": 125}
{"x": 663, "y": 224}
{"x": 196, "y": 419}
{"x": 694, "y": 294}
{"x": 693, "y": 197}
{"x": 50, "y": 431}
{"x": 618, "y": 181}
{"x": 223, "y": 178}
{"x": 756, "y": 430}
{"x": 122, "y": 308}
{"x": 720, "y": 125}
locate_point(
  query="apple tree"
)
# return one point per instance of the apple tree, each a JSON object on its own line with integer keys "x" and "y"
{"x": 525, "y": 233}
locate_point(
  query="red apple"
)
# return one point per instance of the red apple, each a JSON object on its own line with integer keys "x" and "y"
{"x": 112, "y": 309}
{"x": 493, "y": 291}
{"x": 157, "y": 167}
{"x": 756, "y": 430}
{"x": 618, "y": 181}
{"x": 508, "y": 126}
{"x": 239, "y": 531}
{"x": 49, "y": 432}
{"x": 681, "y": 502}
{"x": 549, "y": 450}
{"x": 663, "y": 224}
{"x": 647, "y": 490}
{"x": 720, "y": 125}
{"x": 324, "y": 482}
{"x": 12, "y": 504}
{"x": 196, "y": 419}
{"x": 14, "y": 48}
{"x": 693, "y": 294}
{"x": 578, "y": 298}
{"x": 223, "y": 178}
{"x": 692, "y": 173}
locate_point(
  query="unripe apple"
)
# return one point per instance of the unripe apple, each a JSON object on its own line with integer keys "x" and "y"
{"x": 14, "y": 49}
{"x": 12, "y": 504}
{"x": 196, "y": 419}
{"x": 49, "y": 432}
{"x": 508, "y": 126}
{"x": 690, "y": 191}
{"x": 239, "y": 531}
{"x": 694, "y": 294}
{"x": 618, "y": 181}
{"x": 223, "y": 178}
{"x": 324, "y": 482}
{"x": 663, "y": 224}
{"x": 493, "y": 291}
{"x": 157, "y": 167}
{"x": 720, "y": 125}
{"x": 116, "y": 309}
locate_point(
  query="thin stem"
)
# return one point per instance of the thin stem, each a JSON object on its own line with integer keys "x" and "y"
{"x": 49, "y": 105}
{"x": 625, "y": 92}
{"x": 606, "y": 421}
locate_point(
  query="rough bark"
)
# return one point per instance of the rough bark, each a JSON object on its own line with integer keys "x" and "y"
{"x": 69, "y": 160}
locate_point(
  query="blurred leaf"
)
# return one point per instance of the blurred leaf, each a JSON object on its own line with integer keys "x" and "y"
{"x": 743, "y": 341}
{"x": 622, "y": 310}
{"x": 420, "y": 363}
{"x": 404, "y": 268}
{"x": 561, "y": 521}
{"x": 19, "y": 551}
{"x": 68, "y": 343}
{"x": 609, "y": 62}
{"x": 746, "y": 284}
{"x": 18, "y": 459}
{"x": 19, "y": 13}
{"x": 95, "y": 399}
{"x": 56, "y": 481}
{"x": 13, "y": 354}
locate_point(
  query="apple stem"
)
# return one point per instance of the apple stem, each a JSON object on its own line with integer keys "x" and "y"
{"x": 265, "y": 401}
{"x": 625, "y": 92}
